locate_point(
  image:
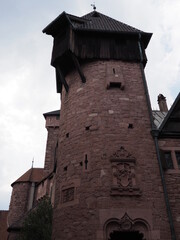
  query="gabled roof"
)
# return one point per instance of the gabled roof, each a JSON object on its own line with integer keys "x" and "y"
{"x": 100, "y": 22}
{"x": 158, "y": 117}
{"x": 96, "y": 22}
{"x": 32, "y": 175}
{"x": 170, "y": 127}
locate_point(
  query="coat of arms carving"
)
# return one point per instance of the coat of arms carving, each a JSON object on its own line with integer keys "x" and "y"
{"x": 123, "y": 173}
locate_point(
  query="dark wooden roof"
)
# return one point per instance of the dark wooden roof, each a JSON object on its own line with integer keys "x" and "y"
{"x": 100, "y": 22}
{"x": 96, "y": 22}
{"x": 53, "y": 113}
{"x": 170, "y": 127}
{"x": 93, "y": 36}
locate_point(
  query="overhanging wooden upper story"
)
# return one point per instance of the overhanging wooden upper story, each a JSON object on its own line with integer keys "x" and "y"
{"x": 93, "y": 36}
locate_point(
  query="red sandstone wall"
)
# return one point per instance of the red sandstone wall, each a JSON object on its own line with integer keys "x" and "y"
{"x": 50, "y": 148}
{"x": 172, "y": 178}
{"x": 3, "y": 225}
{"x": 52, "y": 121}
{"x": 42, "y": 189}
{"x": 19, "y": 202}
{"x": 45, "y": 188}
{"x": 95, "y": 125}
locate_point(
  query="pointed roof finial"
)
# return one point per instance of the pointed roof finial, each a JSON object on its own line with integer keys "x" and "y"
{"x": 32, "y": 163}
{"x": 94, "y": 6}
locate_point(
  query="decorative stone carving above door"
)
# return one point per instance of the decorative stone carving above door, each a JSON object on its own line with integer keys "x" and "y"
{"x": 137, "y": 228}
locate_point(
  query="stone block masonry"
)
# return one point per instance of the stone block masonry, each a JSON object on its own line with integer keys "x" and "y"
{"x": 108, "y": 169}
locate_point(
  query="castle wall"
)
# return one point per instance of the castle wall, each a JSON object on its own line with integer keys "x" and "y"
{"x": 46, "y": 187}
{"x": 42, "y": 189}
{"x": 19, "y": 202}
{"x": 52, "y": 138}
{"x": 172, "y": 178}
{"x": 107, "y": 169}
{"x": 3, "y": 225}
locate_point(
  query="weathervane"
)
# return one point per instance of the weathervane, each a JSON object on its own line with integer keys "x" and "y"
{"x": 94, "y": 6}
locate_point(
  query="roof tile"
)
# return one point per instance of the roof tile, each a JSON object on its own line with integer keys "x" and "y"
{"x": 100, "y": 22}
{"x": 32, "y": 175}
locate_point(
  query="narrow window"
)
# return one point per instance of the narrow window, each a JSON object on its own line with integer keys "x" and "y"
{"x": 178, "y": 158}
{"x": 115, "y": 85}
{"x": 168, "y": 159}
{"x": 86, "y": 162}
{"x": 130, "y": 125}
{"x": 67, "y": 135}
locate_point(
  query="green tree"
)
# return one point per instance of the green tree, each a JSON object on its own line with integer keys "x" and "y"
{"x": 38, "y": 223}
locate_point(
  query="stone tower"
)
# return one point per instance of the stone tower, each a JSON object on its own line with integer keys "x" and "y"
{"x": 108, "y": 184}
{"x": 52, "y": 126}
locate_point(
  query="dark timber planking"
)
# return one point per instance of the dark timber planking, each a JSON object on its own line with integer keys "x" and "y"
{"x": 93, "y": 36}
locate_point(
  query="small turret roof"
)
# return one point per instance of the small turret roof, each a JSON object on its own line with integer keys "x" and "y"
{"x": 52, "y": 113}
{"x": 32, "y": 175}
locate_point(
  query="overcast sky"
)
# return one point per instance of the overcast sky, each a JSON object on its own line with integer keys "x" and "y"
{"x": 27, "y": 81}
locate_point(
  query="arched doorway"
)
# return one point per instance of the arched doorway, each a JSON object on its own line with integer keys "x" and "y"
{"x": 126, "y": 229}
{"x": 134, "y": 235}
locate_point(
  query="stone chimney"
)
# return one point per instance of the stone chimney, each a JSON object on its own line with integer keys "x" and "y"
{"x": 162, "y": 103}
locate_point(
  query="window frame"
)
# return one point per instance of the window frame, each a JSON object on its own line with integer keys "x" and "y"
{"x": 173, "y": 151}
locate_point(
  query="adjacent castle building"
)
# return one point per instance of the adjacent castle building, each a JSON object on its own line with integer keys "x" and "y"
{"x": 112, "y": 165}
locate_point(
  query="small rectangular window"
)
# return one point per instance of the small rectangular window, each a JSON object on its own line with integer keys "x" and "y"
{"x": 168, "y": 159}
{"x": 178, "y": 158}
{"x": 68, "y": 195}
{"x": 115, "y": 85}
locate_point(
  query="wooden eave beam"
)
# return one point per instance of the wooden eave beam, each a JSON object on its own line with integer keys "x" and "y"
{"x": 62, "y": 78}
{"x": 78, "y": 67}
{"x": 170, "y": 135}
{"x": 58, "y": 83}
{"x": 174, "y": 119}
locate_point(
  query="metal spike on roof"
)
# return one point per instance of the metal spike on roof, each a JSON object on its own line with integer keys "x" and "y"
{"x": 32, "y": 162}
{"x": 94, "y": 6}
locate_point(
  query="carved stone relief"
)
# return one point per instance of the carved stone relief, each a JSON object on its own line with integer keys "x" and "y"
{"x": 69, "y": 193}
{"x": 126, "y": 223}
{"x": 123, "y": 174}
{"x": 121, "y": 153}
